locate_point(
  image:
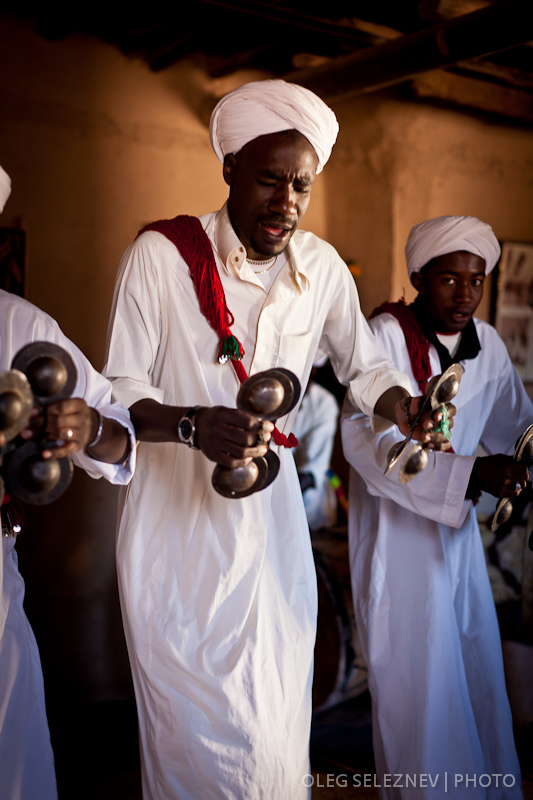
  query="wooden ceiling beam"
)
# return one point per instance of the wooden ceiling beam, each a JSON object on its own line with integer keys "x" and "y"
{"x": 343, "y": 34}
{"x": 492, "y": 29}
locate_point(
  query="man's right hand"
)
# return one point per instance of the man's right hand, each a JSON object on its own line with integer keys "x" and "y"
{"x": 230, "y": 437}
{"x": 498, "y": 475}
{"x": 225, "y": 435}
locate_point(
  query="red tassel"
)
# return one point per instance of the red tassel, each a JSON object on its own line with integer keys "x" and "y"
{"x": 417, "y": 344}
{"x": 187, "y": 234}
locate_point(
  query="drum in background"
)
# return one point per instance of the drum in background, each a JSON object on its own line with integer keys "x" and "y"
{"x": 340, "y": 670}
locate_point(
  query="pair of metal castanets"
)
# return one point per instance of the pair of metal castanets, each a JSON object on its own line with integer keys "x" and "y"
{"x": 440, "y": 390}
{"x": 267, "y": 395}
{"x": 523, "y": 454}
{"x": 41, "y": 373}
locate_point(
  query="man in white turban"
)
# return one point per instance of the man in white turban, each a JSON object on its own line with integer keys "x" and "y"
{"x": 423, "y": 601}
{"x": 441, "y": 235}
{"x": 219, "y": 595}
{"x": 264, "y": 107}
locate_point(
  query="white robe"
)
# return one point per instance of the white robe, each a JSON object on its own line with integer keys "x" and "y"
{"x": 219, "y": 595}
{"x": 423, "y": 601}
{"x": 26, "y": 758}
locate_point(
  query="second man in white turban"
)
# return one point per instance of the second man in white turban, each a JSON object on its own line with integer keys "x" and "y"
{"x": 423, "y": 601}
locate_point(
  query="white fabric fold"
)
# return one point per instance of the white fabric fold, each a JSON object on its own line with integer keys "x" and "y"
{"x": 441, "y": 235}
{"x": 263, "y": 107}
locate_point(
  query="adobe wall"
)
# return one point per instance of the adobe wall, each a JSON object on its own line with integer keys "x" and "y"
{"x": 398, "y": 164}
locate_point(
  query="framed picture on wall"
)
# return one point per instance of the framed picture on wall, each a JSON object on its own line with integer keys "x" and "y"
{"x": 514, "y": 305}
{"x": 12, "y": 255}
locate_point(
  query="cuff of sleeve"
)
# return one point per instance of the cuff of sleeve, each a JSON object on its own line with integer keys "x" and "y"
{"x": 120, "y": 474}
{"x": 456, "y": 507}
{"x": 128, "y": 391}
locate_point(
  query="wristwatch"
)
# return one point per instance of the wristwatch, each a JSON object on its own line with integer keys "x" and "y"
{"x": 187, "y": 427}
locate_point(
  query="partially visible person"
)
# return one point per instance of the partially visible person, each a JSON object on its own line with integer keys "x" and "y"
{"x": 98, "y": 433}
{"x": 315, "y": 427}
{"x": 423, "y": 601}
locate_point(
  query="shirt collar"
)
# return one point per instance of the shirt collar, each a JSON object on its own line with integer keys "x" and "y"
{"x": 232, "y": 252}
{"x": 469, "y": 346}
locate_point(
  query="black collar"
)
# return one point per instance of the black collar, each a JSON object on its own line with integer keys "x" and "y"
{"x": 469, "y": 346}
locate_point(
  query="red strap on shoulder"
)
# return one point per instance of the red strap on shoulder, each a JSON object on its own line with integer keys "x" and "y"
{"x": 188, "y": 235}
{"x": 417, "y": 344}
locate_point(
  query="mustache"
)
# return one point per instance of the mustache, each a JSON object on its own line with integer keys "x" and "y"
{"x": 279, "y": 220}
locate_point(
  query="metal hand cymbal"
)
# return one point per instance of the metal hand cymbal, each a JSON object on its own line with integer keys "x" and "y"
{"x": 523, "y": 454}
{"x": 50, "y": 370}
{"x": 16, "y": 403}
{"x": 440, "y": 390}
{"x": 240, "y": 481}
{"x": 266, "y": 395}
{"x": 35, "y": 480}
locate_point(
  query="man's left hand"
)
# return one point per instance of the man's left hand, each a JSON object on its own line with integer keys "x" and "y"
{"x": 69, "y": 422}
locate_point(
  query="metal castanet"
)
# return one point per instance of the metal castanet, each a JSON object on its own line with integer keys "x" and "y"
{"x": 49, "y": 369}
{"x": 35, "y": 480}
{"x": 440, "y": 390}
{"x": 42, "y": 373}
{"x": 16, "y": 403}
{"x": 266, "y": 395}
{"x": 523, "y": 454}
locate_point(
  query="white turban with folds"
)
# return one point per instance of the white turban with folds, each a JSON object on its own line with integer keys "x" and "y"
{"x": 5, "y": 188}
{"x": 442, "y": 235}
{"x": 264, "y": 107}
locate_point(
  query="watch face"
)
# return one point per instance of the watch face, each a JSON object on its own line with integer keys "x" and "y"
{"x": 185, "y": 429}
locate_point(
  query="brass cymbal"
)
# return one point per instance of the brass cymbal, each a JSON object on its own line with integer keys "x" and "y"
{"x": 50, "y": 370}
{"x": 523, "y": 453}
{"x": 273, "y": 463}
{"x": 16, "y": 403}
{"x": 446, "y": 387}
{"x": 270, "y": 394}
{"x": 240, "y": 481}
{"x": 266, "y": 395}
{"x": 295, "y": 389}
{"x": 35, "y": 480}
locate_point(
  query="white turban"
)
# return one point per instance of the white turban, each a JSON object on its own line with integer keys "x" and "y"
{"x": 442, "y": 235}
{"x": 263, "y": 107}
{"x": 5, "y": 188}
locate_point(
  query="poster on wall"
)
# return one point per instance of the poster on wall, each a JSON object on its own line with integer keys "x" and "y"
{"x": 12, "y": 253}
{"x": 514, "y": 305}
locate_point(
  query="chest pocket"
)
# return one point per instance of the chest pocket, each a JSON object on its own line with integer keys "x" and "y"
{"x": 296, "y": 350}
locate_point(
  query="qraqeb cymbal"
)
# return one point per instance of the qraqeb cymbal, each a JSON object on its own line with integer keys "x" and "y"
{"x": 35, "y": 480}
{"x": 270, "y": 394}
{"x": 50, "y": 370}
{"x": 16, "y": 403}
{"x": 266, "y": 395}
{"x": 240, "y": 481}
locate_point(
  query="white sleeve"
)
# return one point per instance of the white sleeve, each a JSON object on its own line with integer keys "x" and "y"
{"x": 97, "y": 392}
{"x": 26, "y": 323}
{"x": 134, "y": 333}
{"x": 438, "y": 492}
{"x": 358, "y": 358}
